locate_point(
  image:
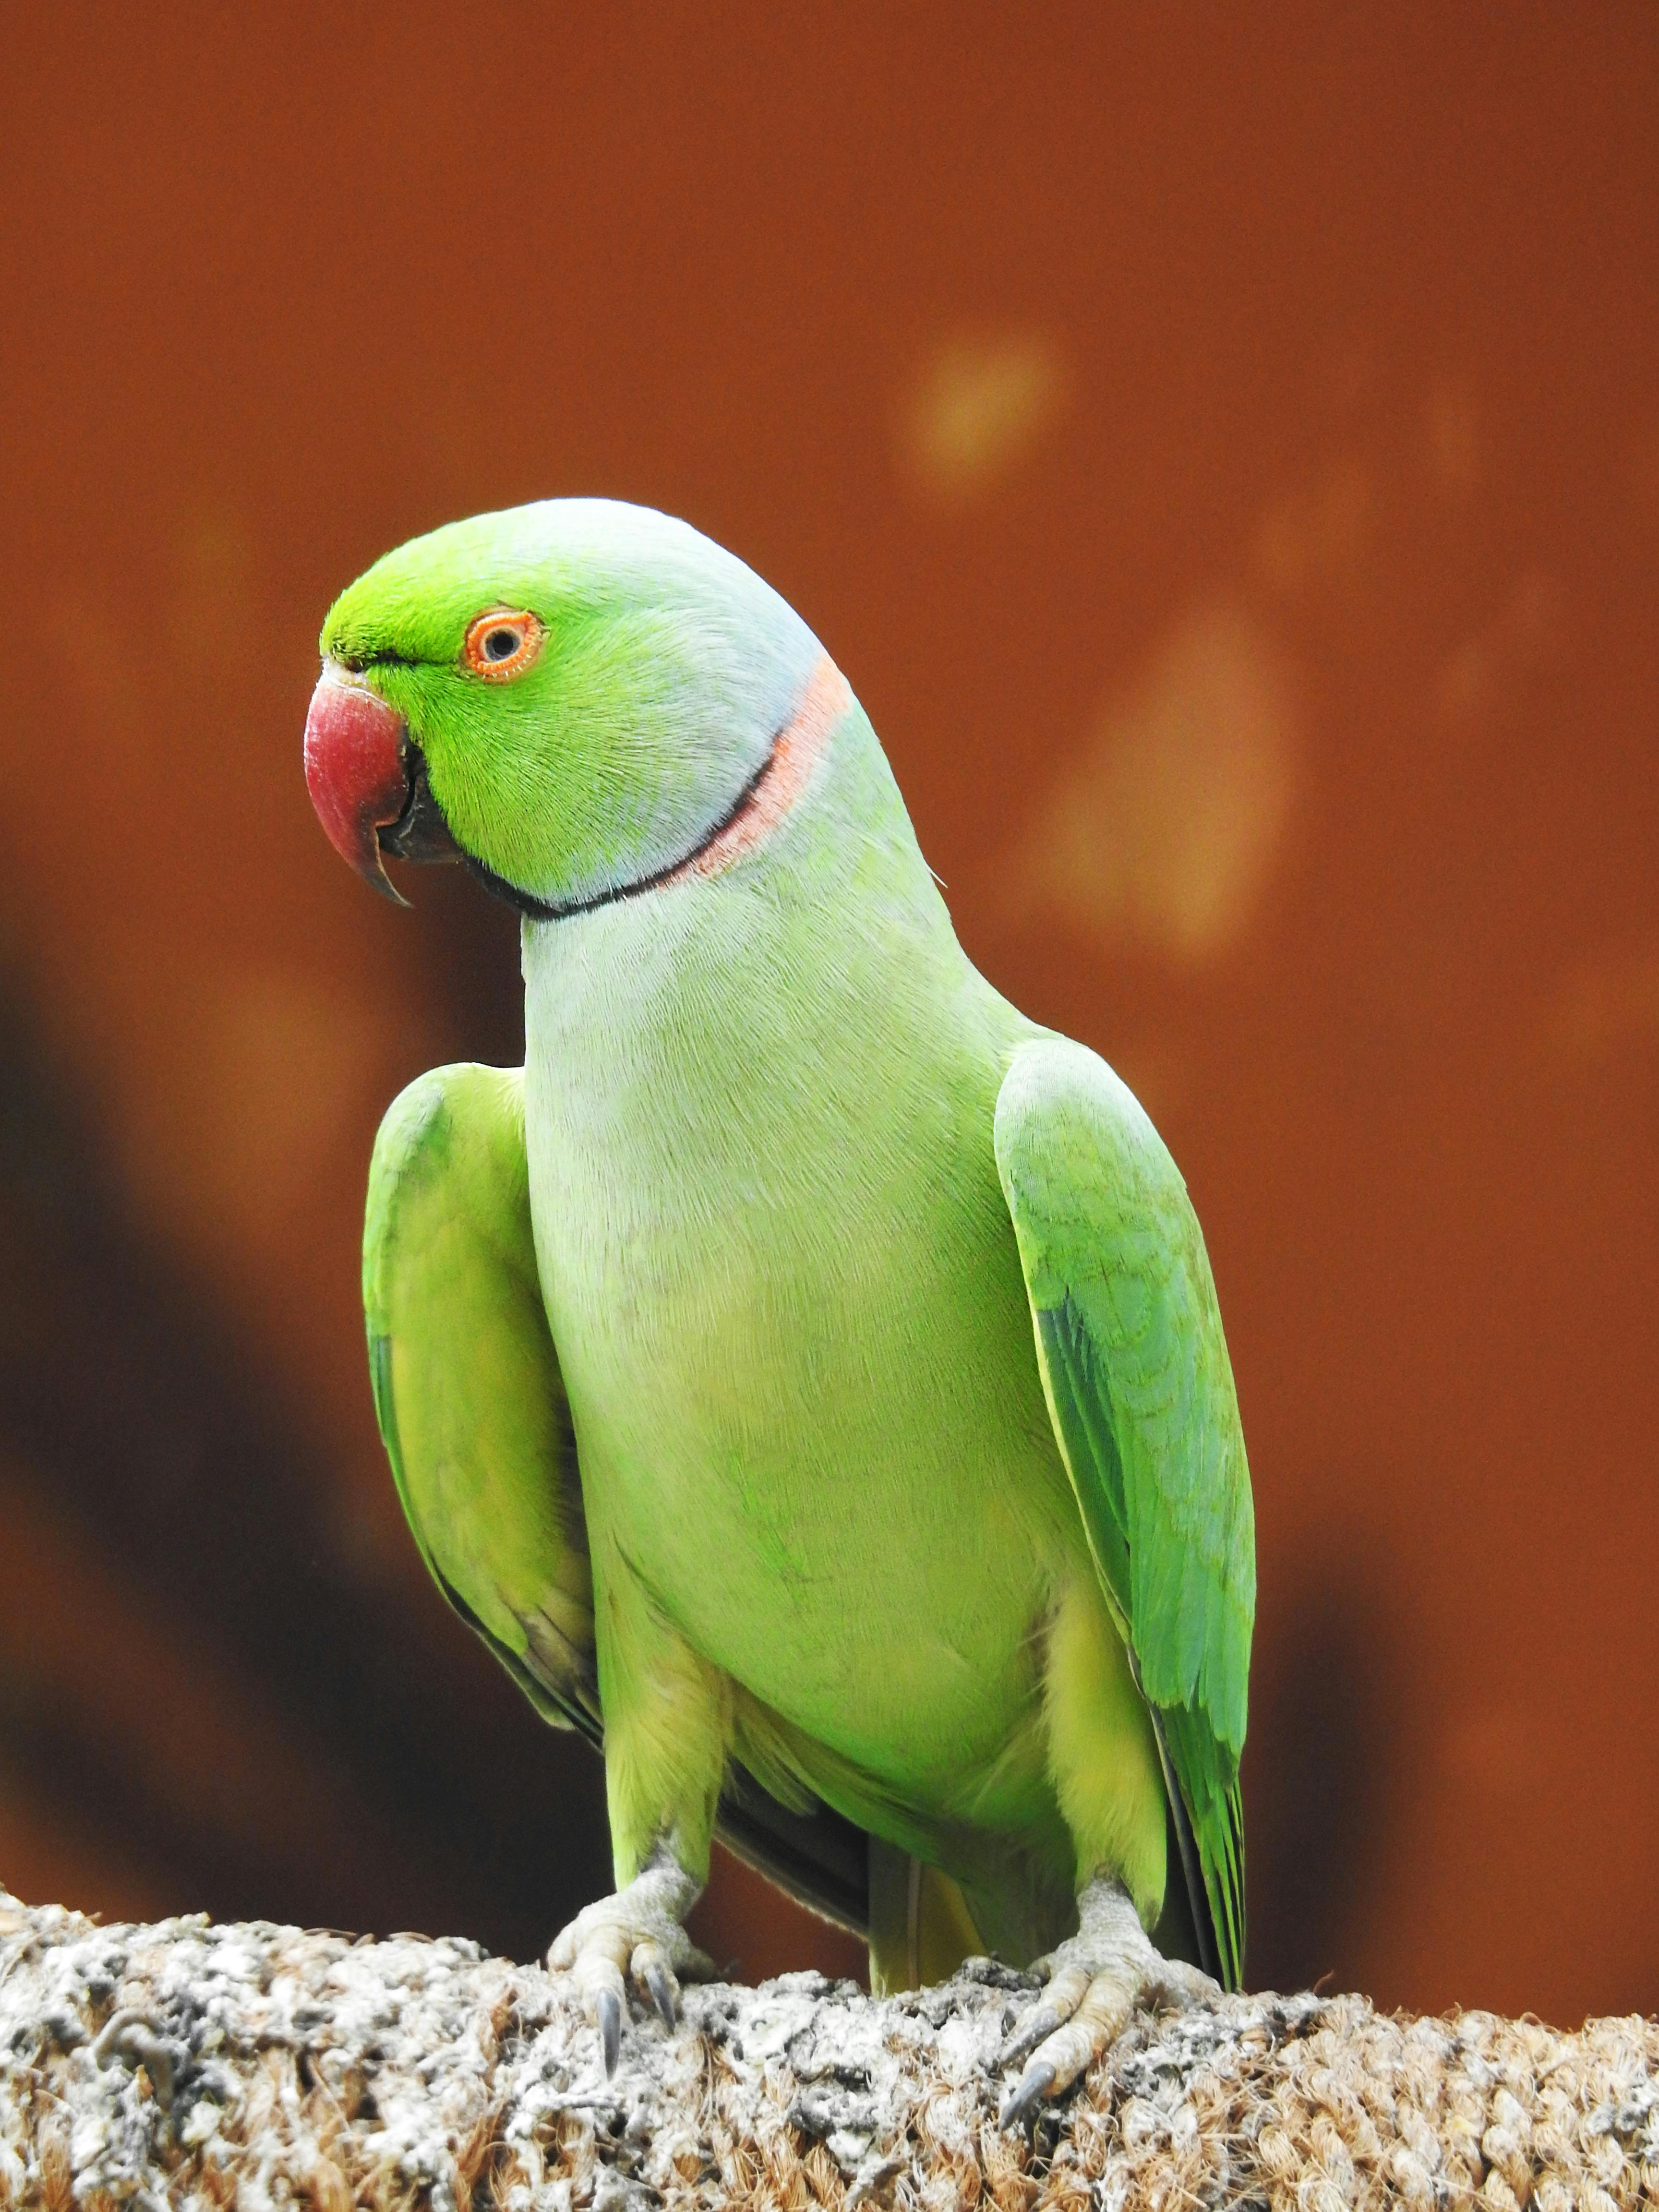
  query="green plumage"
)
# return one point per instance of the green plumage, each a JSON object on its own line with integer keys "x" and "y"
{"x": 466, "y": 1383}
{"x": 1138, "y": 1383}
{"x": 808, "y": 1372}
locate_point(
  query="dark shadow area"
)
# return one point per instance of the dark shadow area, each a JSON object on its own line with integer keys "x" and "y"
{"x": 170, "y": 1459}
{"x": 1319, "y": 1771}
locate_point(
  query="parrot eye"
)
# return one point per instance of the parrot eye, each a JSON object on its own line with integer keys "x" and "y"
{"x": 502, "y": 641}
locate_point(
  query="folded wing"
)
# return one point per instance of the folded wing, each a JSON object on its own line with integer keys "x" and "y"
{"x": 1140, "y": 1391}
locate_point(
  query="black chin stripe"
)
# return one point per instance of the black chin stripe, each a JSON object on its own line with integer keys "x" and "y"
{"x": 536, "y": 909}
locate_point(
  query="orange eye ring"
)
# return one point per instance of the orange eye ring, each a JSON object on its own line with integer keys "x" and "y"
{"x": 502, "y": 641}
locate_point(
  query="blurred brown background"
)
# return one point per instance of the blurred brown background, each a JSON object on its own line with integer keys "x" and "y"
{"x": 1222, "y": 448}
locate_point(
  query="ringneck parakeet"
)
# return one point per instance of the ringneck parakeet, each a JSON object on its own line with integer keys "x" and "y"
{"x": 804, "y": 1372}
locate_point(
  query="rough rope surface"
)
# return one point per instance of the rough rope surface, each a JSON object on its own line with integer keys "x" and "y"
{"x": 190, "y": 2064}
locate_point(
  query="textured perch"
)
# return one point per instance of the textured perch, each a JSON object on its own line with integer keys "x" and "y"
{"x": 191, "y": 2065}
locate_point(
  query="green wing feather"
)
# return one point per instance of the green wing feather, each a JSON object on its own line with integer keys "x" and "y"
{"x": 467, "y": 1390}
{"x": 476, "y": 1425}
{"x": 1141, "y": 1389}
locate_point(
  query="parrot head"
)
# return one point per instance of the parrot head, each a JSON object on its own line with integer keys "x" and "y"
{"x": 574, "y": 698}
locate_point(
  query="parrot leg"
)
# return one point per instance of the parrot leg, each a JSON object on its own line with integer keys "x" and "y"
{"x": 666, "y": 1722}
{"x": 1096, "y": 1980}
{"x": 637, "y": 1934}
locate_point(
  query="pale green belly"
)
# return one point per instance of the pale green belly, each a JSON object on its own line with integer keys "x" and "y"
{"x": 833, "y": 1470}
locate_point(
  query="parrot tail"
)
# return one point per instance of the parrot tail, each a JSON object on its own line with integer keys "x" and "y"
{"x": 920, "y": 1928}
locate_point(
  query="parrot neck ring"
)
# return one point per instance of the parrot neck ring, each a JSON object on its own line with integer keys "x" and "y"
{"x": 757, "y": 810}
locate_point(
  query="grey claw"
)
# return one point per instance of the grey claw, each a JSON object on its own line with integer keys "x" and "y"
{"x": 607, "y": 2008}
{"x": 660, "y": 1983}
{"x": 1031, "y": 2031}
{"x": 1020, "y": 2103}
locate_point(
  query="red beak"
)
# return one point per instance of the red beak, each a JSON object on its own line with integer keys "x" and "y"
{"x": 355, "y": 771}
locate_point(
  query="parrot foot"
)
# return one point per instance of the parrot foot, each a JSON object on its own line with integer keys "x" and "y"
{"x": 1096, "y": 1980}
{"x": 636, "y": 1935}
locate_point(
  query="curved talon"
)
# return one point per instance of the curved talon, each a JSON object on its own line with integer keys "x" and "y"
{"x": 636, "y": 1935}
{"x": 1067, "y": 1988}
{"x": 1022, "y": 2100}
{"x": 649, "y": 1965}
{"x": 1041, "y": 2021}
{"x": 1096, "y": 1980}
{"x": 608, "y": 2019}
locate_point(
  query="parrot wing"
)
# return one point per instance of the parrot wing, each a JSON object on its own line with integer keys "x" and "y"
{"x": 474, "y": 1420}
{"x": 1140, "y": 1391}
{"x": 467, "y": 1389}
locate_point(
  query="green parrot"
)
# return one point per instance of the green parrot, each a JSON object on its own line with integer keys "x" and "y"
{"x": 804, "y": 1372}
